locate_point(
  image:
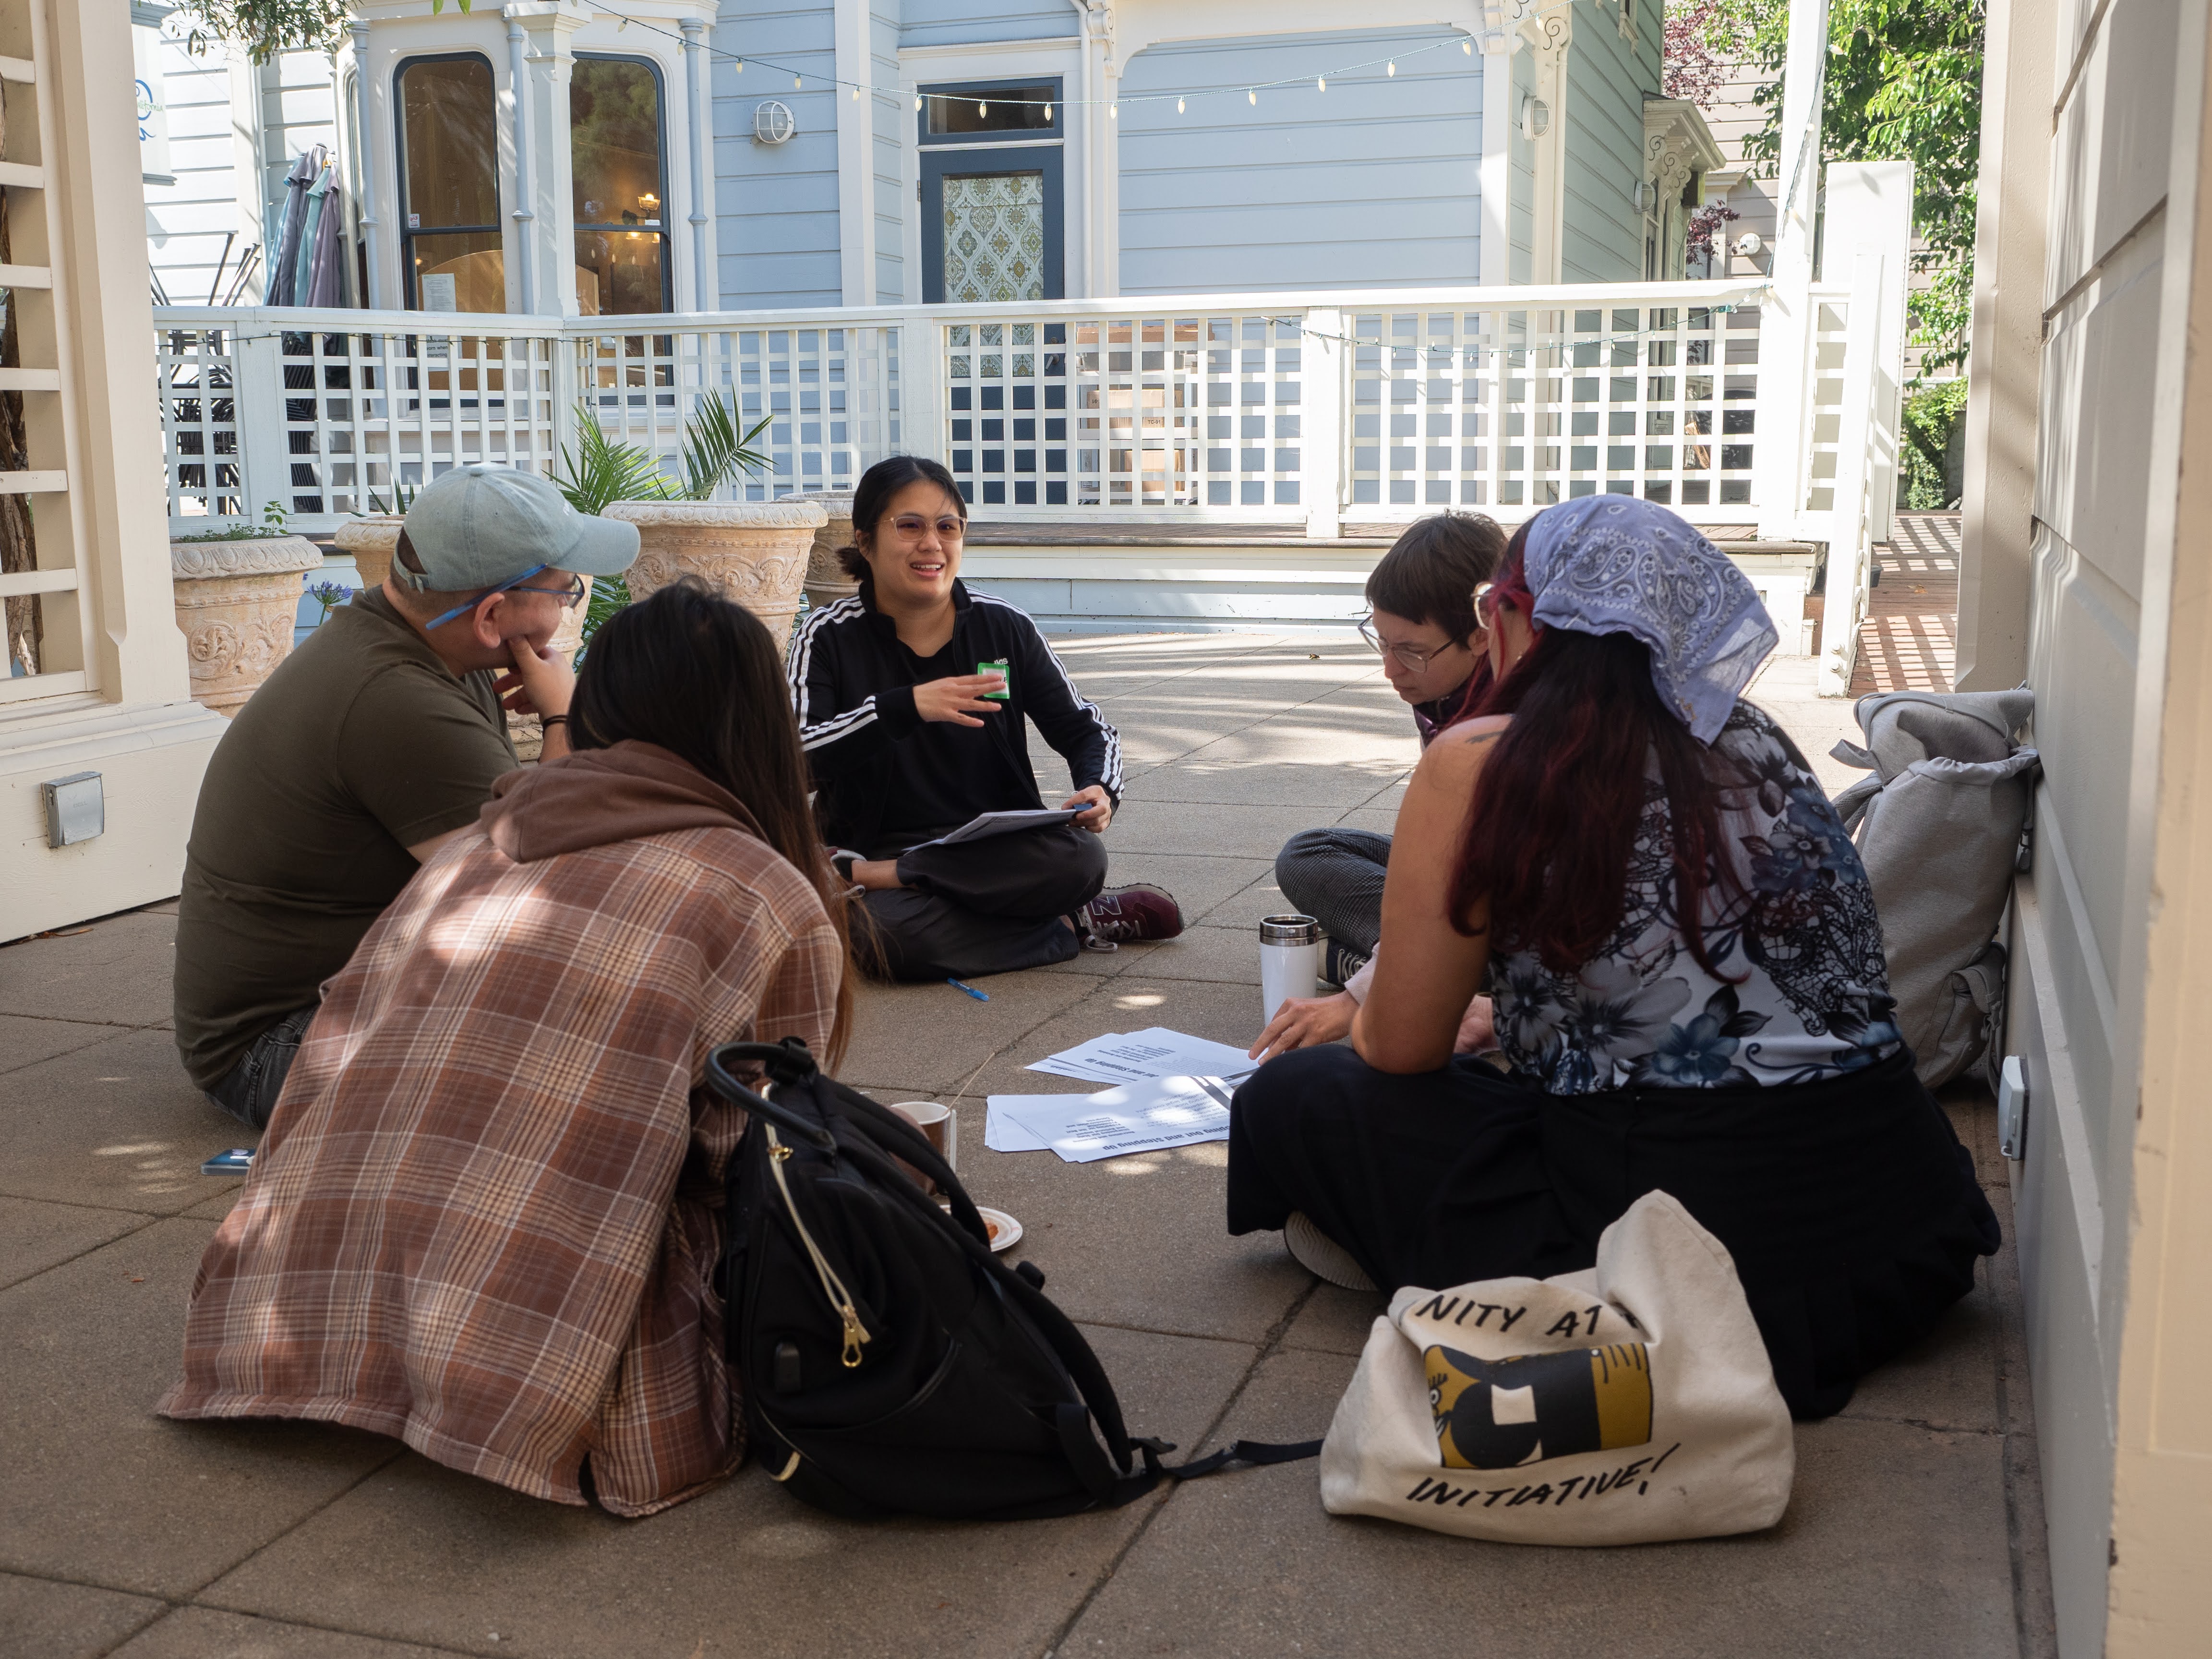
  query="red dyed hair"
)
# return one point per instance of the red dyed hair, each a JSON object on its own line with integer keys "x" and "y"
{"x": 1552, "y": 823}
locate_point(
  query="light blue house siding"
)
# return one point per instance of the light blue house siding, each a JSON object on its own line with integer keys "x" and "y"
{"x": 1607, "y": 77}
{"x": 962, "y": 22}
{"x": 1373, "y": 183}
{"x": 890, "y": 121}
{"x": 775, "y": 205}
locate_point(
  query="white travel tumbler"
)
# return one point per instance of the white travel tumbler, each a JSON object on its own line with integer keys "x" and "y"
{"x": 1289, "y": 961}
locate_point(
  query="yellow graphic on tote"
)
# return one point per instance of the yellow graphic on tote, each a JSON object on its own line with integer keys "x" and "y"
{"x": 1500, "y": 1413}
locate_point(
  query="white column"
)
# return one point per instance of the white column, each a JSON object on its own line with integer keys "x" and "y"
{"x": 1550, "y": 35}
{"x": 1499, "y": 115}
{"x": 518, "y": 76}
{"x": 368, "y": 191}
{"x": 856, "y": 213}
{"x": 552, "y": 228}
{"x": 1996, "y": 526}
{"x": 698, "y": 107}
{"x": 1785, "y": 329}
{"x": 1869, "y": 212}
{"x": 1321, "y": 376}
{"x": 1106, "y": 223}
{"x": 134, "y": 722}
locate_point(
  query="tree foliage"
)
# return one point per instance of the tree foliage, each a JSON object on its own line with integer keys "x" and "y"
{"x": 267, "y": 27}
{"x": 1903, "y": 82}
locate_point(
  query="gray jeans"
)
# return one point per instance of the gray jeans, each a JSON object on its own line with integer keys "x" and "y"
{"x": 248, "y": 1091}
{"x": 1335, "y": 876}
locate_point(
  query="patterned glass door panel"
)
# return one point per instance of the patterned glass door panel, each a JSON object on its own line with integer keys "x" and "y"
{"x": 994, "y": 238}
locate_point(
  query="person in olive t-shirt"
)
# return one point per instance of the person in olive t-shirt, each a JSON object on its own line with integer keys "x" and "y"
{"x": 366, "y": 750}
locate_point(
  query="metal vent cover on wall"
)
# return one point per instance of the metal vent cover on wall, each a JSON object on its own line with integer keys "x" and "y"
{"x": 773, "y": 123}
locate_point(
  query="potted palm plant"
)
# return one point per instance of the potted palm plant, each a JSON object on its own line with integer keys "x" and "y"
{"x": 755, "y": 552}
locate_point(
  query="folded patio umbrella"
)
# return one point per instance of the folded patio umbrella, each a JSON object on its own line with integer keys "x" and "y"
{"x": 311, "y": 237}
{"x": 283, "y": 266}
{"x": 325, "y": 283}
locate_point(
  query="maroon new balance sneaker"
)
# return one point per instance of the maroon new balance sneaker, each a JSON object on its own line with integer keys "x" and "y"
{"x": 1126, "y": 915}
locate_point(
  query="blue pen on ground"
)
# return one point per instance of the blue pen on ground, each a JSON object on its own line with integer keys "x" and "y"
{"x": 957, "y": 985}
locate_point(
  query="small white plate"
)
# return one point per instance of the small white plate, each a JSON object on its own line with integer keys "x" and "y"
{"x": 1006, "y": 1232}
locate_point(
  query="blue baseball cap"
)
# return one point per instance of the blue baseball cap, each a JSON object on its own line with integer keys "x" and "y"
{"x": 481, "y": 527}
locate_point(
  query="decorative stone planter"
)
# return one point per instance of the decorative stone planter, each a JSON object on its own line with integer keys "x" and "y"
{"x": 826, "y": 580}
{"x": 372, "y": 541}
{"x": 755, "y": 552}
{"x": 236, "y": 602}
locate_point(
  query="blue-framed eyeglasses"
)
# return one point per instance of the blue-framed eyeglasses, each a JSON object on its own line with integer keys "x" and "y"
{"x": 571, "y": 595}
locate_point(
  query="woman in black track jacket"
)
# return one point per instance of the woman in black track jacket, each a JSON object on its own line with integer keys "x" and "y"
{"x": 911, "y": 729}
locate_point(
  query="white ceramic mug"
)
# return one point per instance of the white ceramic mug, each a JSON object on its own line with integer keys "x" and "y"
{"x": 1289, "y": 961}
{"x": 939, "y": 1126}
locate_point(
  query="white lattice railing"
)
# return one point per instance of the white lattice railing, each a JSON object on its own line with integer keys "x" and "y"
{"x": 1729, "y": 402}
{"x": 1271, "y": 409}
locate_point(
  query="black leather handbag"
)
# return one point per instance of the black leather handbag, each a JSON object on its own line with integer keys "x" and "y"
{"x": 891, "y": 1364}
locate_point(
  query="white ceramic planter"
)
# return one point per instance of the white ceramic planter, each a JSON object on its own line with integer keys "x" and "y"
{"x": 372, "y": 541}
{"x": 755, "y": 552}
{"x": 826, "y": 580}
{"x": 236, "y": 602}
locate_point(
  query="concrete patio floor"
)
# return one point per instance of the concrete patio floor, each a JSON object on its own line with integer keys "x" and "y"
{"x": 1916, "y": 1527}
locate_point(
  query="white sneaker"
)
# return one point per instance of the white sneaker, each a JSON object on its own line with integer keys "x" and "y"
{"x": 1322, "y": 1255}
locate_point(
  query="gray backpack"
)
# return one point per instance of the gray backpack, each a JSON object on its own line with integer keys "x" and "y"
{"x": 1939, "y": 827}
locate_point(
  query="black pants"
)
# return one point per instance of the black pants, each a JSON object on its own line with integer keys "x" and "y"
{"x": 1335, "y": 876}
{"x": 1848, "y": 1205}
{"x": 248, "y": 1091}
{"x": 986, "y": 907}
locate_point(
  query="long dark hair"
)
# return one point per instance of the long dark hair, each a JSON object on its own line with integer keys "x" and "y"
{"x": 699, "y": 675}
{"x": 872, "y": 499}
{"x": 1552, "y": 826}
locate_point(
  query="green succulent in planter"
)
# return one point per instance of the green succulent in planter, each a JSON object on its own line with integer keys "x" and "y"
{"x": 275, "y": 521}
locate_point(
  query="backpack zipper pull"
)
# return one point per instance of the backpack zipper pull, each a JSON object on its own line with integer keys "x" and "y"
{"x": 841, "y": 1300}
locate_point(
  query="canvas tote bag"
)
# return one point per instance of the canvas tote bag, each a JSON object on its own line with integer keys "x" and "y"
{"x": 1624, "y": 1404}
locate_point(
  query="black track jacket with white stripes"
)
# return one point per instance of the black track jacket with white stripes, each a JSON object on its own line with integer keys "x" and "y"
{"x": 877, "y": 765}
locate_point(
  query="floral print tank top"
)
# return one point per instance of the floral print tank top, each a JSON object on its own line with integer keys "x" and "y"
{"x": 1797, "y": 933}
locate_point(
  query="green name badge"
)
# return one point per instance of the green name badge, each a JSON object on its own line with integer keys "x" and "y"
{"x": 1004, "y": 671}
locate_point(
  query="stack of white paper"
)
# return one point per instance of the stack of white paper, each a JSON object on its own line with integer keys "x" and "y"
{"x": 1148, "y": 1116}
{"x": 1157, "y": 1052}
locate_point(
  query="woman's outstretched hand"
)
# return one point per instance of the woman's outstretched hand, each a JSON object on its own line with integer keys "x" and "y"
{"x": 957, "y": 698}
{"x": 1304, "y": 1022}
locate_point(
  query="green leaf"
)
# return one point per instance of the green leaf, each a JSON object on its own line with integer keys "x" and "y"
{"x": 714, "y": 449}
{"x": 602, "y": 472}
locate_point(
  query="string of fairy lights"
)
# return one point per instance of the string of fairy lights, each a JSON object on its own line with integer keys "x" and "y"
{"x": 984, "y": 102}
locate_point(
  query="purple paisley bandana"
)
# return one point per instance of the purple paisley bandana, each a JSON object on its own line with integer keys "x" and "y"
{"x": 1613, "y": 565}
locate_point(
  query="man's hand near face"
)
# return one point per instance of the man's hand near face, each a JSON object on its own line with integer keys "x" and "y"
{"x": 539, "y": 684}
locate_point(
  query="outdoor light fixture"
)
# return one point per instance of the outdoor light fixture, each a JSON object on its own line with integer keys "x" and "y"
{"x": 1536, "y": 118}
{"x": 1251, "y": 95}
{"x": 917, "y": 101}
{"x": 1178, "y": 107}
{"x": 1047, "y": 114}
{"x": 772, "y": 123}
{"x": 981, "y": 108}
{"x": 1322, "y": 81}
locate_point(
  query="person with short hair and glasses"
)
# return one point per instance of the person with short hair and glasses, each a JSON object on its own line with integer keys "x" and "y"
{"x": 371, "y": 745}
{"x": 1422, "y": 624}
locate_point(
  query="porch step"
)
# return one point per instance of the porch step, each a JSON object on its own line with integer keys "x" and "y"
{"x": 1167, "y": 577}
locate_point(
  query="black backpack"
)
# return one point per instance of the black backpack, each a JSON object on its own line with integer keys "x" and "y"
{"x": 891, "y": 1363}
